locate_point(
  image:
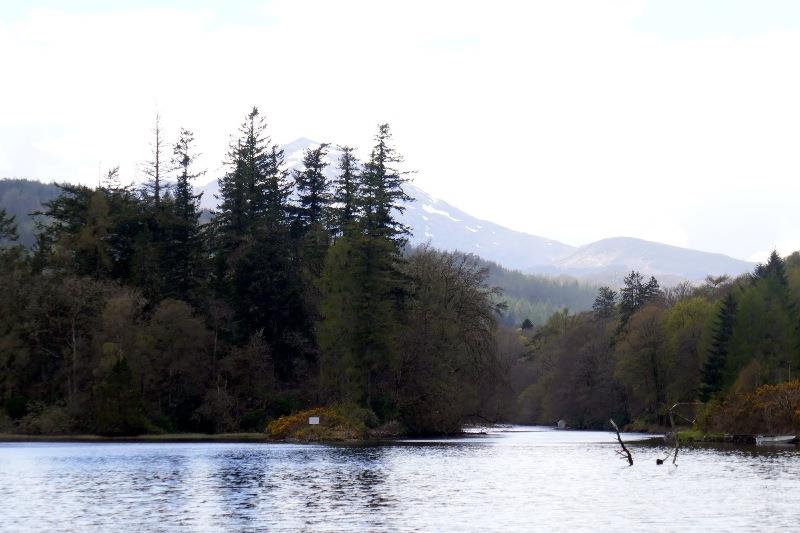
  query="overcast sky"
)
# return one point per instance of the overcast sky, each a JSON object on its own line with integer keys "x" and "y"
{"x": 675, "y": 120}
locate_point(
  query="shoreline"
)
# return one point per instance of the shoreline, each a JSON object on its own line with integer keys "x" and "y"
{"x": 165, "y": 438}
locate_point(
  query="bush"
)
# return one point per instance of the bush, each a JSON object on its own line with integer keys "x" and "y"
{"x": 770, "y": 409}
{"x": 45, "y": 419}
{"x": 336, "y": 423}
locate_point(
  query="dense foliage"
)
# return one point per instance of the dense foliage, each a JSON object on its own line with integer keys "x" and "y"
{"x": 637, "y": 355}
{"x": 130, "y": 315}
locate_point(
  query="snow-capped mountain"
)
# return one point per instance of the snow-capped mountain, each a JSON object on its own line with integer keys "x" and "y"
{"x": 444, "y": 226}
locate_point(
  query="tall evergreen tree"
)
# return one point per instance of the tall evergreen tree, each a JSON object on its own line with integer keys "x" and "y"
{"x": 346, "y": 195}
{"x": 635, "y": 294}
{"x": 603, "y": 305}
{"x": 712, "y": 374}
{"x": 363, "y": 290}
{"x": 313, "y": 189}
{"x": 8, "y": 227}
{"x": 184, "y": 254}
{"x": 255, "y": 189}
{"x": 155, "y": 169}
{"x": 651, "y": 291}
{"x": 382, "y": 191}
{"x": 774, "y": 267}
{"x": 257, "y": 268}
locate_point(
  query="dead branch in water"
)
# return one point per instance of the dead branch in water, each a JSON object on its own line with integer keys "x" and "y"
{"x": 675, "y": 432}
{"x": 625, "y": 453}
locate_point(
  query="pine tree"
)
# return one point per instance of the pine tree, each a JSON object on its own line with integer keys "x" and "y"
{"x": 184, "y": 254}
{"x": 362, "y": 288}
{"x": 186, "y": 202}
{"x": 255, "y": 189}
{"x": 382, "y": 191}
{"x": 8, "y": 227}
{"x": 346, "y": 194}
{"x": 256, "y": 262}
{"x": 630, "y": 296}
{"x": 313, "y": 189}
{"x": 635, "y": 294}
{"x": 651, "y": 291}
{"x": 712, "y": 373}
{"x": 154, "y": 169}
{"x": 774, "y": 267}
{"x": 603, "y": 305}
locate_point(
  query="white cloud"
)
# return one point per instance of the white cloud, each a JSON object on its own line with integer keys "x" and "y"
{"x": 562, "y": 119}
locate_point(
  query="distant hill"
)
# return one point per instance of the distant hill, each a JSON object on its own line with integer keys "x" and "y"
{"x": 609, "y": 260}
{"x": 537, "y": 296}
{"x": 20, "y": 198}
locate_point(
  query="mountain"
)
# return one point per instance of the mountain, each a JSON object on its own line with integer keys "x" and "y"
{"x": 446, "y": 227}
{"x": 609, "y": 260}
{"x": 443, "y": 225}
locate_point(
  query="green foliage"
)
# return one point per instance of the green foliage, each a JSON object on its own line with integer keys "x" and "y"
{"x": 8, "y": 227}
{"x": 603, "y": 305}
{"x": 716, "y": 361}
{"x": 357, "y": 334}
{"x": 536, "y": 297}
{"x": 635, "y": 294}
{"x": 708, "y": 343}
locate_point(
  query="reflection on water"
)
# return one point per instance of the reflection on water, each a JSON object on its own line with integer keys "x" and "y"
{"x": 521, "y": 478}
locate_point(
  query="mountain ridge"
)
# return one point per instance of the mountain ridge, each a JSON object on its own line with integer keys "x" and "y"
{"x": 435, "y": 221}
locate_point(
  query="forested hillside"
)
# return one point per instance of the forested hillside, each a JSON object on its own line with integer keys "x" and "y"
{"x": 129, "y": 316}
{"x": 530, "y": 296}
{"x": 536, "y": 297}
{"x": 641, "y": 351}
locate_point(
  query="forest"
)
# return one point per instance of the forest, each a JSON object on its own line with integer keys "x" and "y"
{"x": 727, "y": 351}
{"x": 130, "y": 315}
{"x": 126, "y": 310}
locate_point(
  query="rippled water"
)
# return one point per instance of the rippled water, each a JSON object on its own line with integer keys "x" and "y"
{"x": 520, "y": 479}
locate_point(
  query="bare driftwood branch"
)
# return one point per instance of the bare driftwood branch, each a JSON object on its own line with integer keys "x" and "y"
{"x": 625, "y": 453}
{"x": 674, "y": 436}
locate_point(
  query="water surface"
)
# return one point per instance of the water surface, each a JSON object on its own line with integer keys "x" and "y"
{"x": 519, "y": 478}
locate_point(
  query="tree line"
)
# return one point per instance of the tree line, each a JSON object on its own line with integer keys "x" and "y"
{"x": 643, "y": 349}
{"x": 129, "y": 314}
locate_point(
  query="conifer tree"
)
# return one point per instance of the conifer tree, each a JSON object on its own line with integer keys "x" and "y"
{"x": 651, "y": 291}
{"x": 8, "y": 227}
{"x": 186, "y": 202}
{"x": 712, "y": 373}
{"x": 774, "y": 267}
{"x": 313, "y": 189}
{"x": 155, "y": 168}
{"x": 635, "y": 294}
{"x": 346, "y": 194}
{"x": 257, "y": 266}
{"x": 184, "y": 254}
{"x": 382, "y": 191}
{"x": 603, "y": 305}
{"x": 363, "y": 290}
{"x": 255, "y": 189}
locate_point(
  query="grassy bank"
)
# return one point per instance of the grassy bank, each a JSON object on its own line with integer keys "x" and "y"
{"x": 167, "y": 437}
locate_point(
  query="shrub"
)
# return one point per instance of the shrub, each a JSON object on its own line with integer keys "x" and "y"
{"x": 770, "y": 409}
{"x": 45, "y": 419}
{"x": 336, "y": 422}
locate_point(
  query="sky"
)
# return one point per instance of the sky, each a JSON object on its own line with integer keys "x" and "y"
{"x": 675, "y": 121}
